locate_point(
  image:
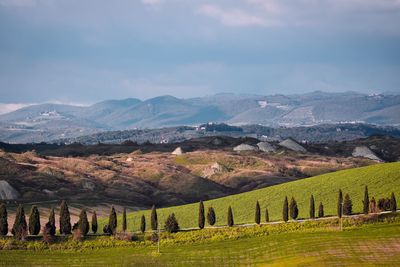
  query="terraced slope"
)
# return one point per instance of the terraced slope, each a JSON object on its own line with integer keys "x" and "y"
{"x": 381, "y": 179}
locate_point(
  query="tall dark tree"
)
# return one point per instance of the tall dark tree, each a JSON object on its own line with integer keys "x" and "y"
{"x": 266, "y": 215}
{"x": 143, "y": 224}
{"x": 3, "y": 220}
{"x": 211, "y": 216}
{"x": 154, "y": 220}
{"x": 94, "y": 222}
{"x": 65, "y": 219}
{"x": 230, "y": 217}
{"x": 83, "y": 222}
{"x": 294, "y": 210}
{"x": 320, "y": 210}
{"x": 366, "y": 201}
{"x": 257, "y": 216}
{"x": 202, "y": 219}
{"x": 340, "y": 204}
{"x": 124, "y": 225}
{"x": 347, "y": 205}
{"x": 171, "y": 224}
{"x": 312, "y": 207}
{"x": 112, "y": 221}
{"x": 51, "y": 225}
{"x": 285, "y": 211}
{"x": 393, "y": 203}
{"x": 20, "y": 228}
{"x": 34, "y": 221}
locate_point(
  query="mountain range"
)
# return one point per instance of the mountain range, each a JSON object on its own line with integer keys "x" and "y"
{"x": 46, "y": 122}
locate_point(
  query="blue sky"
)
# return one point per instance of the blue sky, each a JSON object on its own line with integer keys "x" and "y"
{"x": 74, "y": 51}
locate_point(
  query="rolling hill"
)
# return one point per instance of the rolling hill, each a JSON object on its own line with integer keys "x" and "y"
{"x": 381, "y": 179}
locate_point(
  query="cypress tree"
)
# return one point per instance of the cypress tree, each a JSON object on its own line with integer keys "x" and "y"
{"x": 312, "y": 207}
{"x": 202, "y": 218}
{"x": 65, "y": 219}
{"x": 51, "y": 227}
{"x": 112, "y": 221}
{"x": 340, "y": 204}
{"x": 285, "y": 211}
{"x": 230, "y": 217}
{"x": 393, "y": 204}
{"x": 124, "y": 225}
{"x": 347, "y": 205}
{"x": 83, "y": 222}
{"x": 366, "y": 201}
{"x": 143, "y": 224}
{"x": 34, "y": 221}
{"x": 211, "y": 216}
{"x": 19, "y": 229}
{"x": 257, "y": 217}
{"x": 154, "y": 220}
{"x": 94, "y": 222}
{"x": 294, "y": 210}
{"x": 3, "y": 220}
{"x": 266, "y": 215}
{"x": 320, "y": 210}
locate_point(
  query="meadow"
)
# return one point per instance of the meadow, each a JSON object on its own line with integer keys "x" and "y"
{"x": 381, "y": 179}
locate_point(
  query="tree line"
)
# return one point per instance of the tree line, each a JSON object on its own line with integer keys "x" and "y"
{"x": 290, "y": 209}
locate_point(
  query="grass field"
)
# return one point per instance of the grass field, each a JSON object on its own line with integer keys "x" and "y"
{"x": 366, "y": 245}
{"x": 382, "y": 179}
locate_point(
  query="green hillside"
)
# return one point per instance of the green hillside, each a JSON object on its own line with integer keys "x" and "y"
{"x": 382, "y": 179}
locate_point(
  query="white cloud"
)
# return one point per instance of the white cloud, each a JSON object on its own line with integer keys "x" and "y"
{"x": 234, "y": 16}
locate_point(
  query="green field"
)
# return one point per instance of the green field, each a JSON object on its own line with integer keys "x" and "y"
{"x": 365, "y": 245}
{"x": 382, "y": 179}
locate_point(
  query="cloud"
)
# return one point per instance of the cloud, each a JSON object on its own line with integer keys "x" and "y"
{"x": 151, "y": 2}
{"x": 6, "y": 108}
{"x": 233, "y": 16}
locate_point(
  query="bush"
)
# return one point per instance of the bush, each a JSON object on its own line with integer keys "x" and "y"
{"x": 171, "y": 224}
{"x": 373, "y": 208}
{"x": 211, "y": 216}
{"x": 48, "y": 235}
{"x": 77, "y": 235}
{"x": 384, "y": 204}
{"x": 83, "y": 223}
{"x": 107, "y": 230}
{"x": 125, "y": 236}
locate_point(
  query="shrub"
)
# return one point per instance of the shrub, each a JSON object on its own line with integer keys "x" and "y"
{"x": 285, "y": 211}
{"x": 125, "y": 236}
{"x": 143, "y": 224}
{"x": 294, "y": 211}
{"x": 266, "y": 215}
{"x": 171, "y": 224}
{"x": 347, "y": 205}
{"x": 34, "y": 221}
{"x": 384, "y": 204}
{"x": 19, "y": 229}
{"x": 107, "y": 229}
{"x": 201, "y": 215}
{"x": 211, "y": 216}
{"x": 154, "y": 220}
{"x": 83, "y": 223}
{"x": 112, "y": 220}
{"x": 320, "y": 210}
{"x": 124, "y": 225}
{"x": 94, "y": 222}
{"x": 3, "y": 220}
{"x": 366, "y": 201}
{"x": 48, "y": 235}
{"x": 230, "y": 217}
{"x": 65, "y": 219}
{"x": 257, "y": 216}
{"x": 52, "y": 222}
{"x": 312, "y": 207}
{"x": 77, "y": 235}
{"x": 393, "y": 204}
{"x": 340, "y": 204}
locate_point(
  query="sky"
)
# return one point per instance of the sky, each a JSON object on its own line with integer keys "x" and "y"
{"x": 81, "y": 52}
